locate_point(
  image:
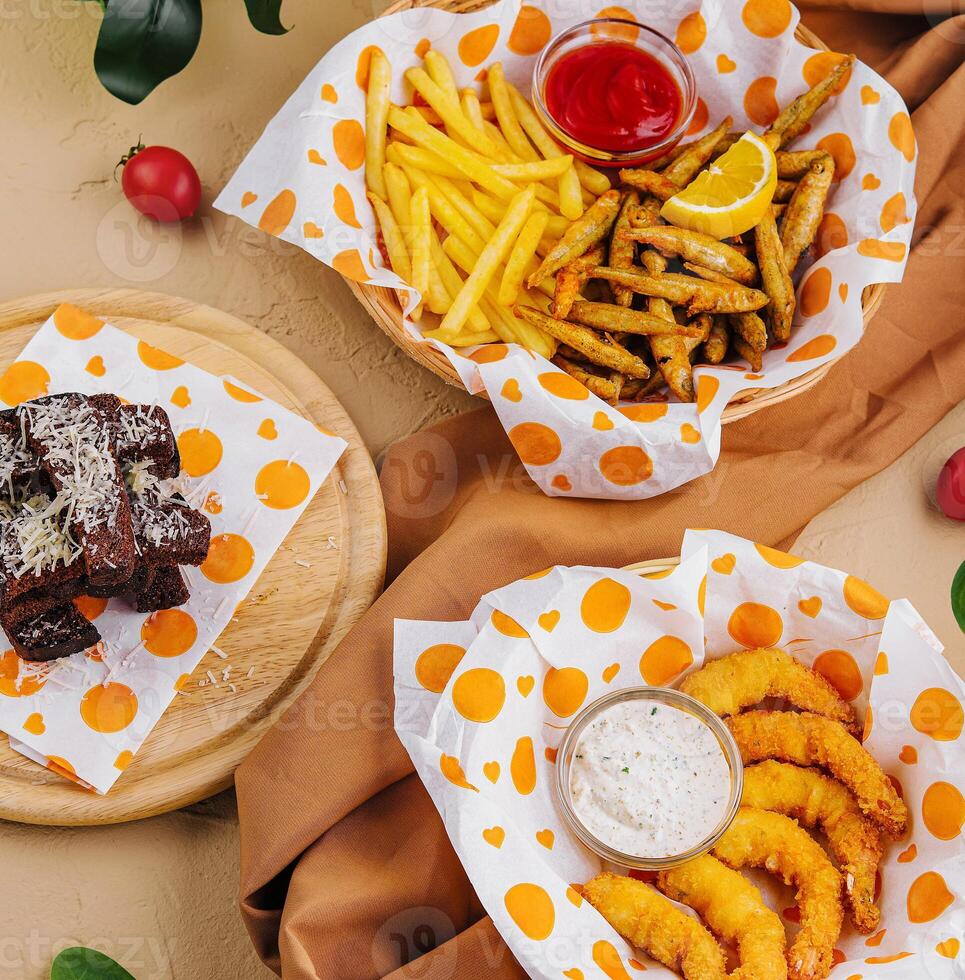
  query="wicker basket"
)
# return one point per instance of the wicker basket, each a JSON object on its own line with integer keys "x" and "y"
{"x": 383, "y": 304}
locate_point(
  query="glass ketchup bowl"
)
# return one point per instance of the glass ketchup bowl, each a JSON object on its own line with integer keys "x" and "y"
{"x": 614, "y": 92}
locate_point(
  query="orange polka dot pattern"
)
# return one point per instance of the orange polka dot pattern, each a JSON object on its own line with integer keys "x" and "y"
{"x": 251, "y": 463}
{"x": 304, "y": 182}
{"x": 490, "y": 697}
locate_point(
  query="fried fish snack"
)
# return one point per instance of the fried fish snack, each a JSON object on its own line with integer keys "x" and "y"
{"x": 750, "y": 328}
{"x": 587, "y": 341}
{"x": 618, "y": 319}
{"x": 816, "y": 800}
{"x": 718, "y": 339}
{"x": 806, "y": 209}
{"x": 609, "y": 389}
{"x": 671, "y": 354}
{"x": 622, "y": 247}
{"x": 650, "y": 922}
{"x": 734, "y": 910}
{"x": 793, "y": 119}
{"x": 650, "y": 182}
{"x": 698, "y": 295}
{"x": 774, "y": 276}
{"x": 775, "y": 843}
{"x": 585, "y": 232}
{"x": 685, "y": 167}
{"x": 695, "y": 246}
{"x": 746, "y": 678}
{"x": 807, "y": 739}
{"x": 743, "y": 349}
{"x": 794, "y": 164}
{"x": 571, "y": 279}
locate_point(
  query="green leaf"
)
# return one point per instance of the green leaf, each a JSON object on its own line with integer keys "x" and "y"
{"x": 80, "y": 963}
{"x": 958, "y": 596}
{"x": 265, "y": 16}
{"x": 142, "y": 42}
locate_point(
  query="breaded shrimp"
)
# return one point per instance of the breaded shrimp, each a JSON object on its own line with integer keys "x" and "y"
{"x": 735, "y": 911}
{"x": 807, "y": 739}
{"x": 648, "y": 921}
{"x": 817, "y": 800}
{"x": 745, "y": 678}
{"x": 775, "y": 843}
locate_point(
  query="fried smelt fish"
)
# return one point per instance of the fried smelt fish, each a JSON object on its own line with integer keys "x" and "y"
{"x": 622, "y": 247}
{"x": 806, "y": 209}
{"x": 808, "y": 739}
{"x": 650, "y": 922}
{"x": 745, "y": 678}
{"x": 607, "y": 316}
{"x": 650, "y": 182}
{"x": 699, "y": 296}
{"x": 587, "y": 342}
{"x": 792, "y": 120}
{"x": 671, "y": 354}
{"x": 683, "y": 170}
{"x": 816, "y": 800}
{"x": 586, "y": 231}
{"x": 775, "y": 843}
{"x": 734, "y": 910}
{"x": 704, "y": 250}
{"x": 571, "y": 279}
{"x": 608, "y": 389}
{"x": 774, "y": 276}
{"x": 718, "y": 339}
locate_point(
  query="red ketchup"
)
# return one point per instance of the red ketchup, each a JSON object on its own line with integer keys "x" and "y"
{"x": 613, "y": 96}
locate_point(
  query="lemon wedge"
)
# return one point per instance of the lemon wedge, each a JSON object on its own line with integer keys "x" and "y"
{"x": 731, "y": 195}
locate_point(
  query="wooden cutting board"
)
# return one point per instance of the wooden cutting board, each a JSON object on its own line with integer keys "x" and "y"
{"x": 290, "y": 621}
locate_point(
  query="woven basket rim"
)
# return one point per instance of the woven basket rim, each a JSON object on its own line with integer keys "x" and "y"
{"x": 384, "y": 307}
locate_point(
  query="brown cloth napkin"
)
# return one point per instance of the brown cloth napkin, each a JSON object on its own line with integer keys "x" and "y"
{"x": 346, "y": 870}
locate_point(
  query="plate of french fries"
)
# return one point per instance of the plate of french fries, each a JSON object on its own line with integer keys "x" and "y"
{"x": 611, "y": 315}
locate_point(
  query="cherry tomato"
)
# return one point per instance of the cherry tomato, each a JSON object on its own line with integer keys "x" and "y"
{"x": 950, "y": 490}
{"x": 161, "y": 183}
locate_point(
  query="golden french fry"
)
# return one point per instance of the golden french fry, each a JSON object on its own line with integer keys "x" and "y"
{"x": 450, "y": 111}
{"x": 416, "y": 156}
{"x": 475, "y": 167}
{"x": 520, "y": 257}
{"x": 479, "y": 221}
{"x": 392, "y": 236}
{"x": 506, "y": 114}
{"x": 537, "y": 170}
{"x": 440, "y": 72}
{"x": 476, "y": 322}
{"x": 376, "y": 117}
{"x": 443, "y": 210}
{"x": 399, "y": 195}
{"x": 593, "y": 181}
{"x": 490, "y": 258}
{"x": 467, "y": 338}
{"x": 420, "y": 245}
{"x": 571, "y": 197}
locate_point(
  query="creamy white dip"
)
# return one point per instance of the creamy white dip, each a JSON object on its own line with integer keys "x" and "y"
{"x": 649, "y": 779}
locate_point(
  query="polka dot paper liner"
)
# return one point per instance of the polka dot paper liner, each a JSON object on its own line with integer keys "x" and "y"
{"x": 481, "y": 707}
{"x": 248, "y": 464}
{"x": 304, "y": 181}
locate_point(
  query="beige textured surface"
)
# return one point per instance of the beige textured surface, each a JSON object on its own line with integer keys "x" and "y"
{"x": 72, "y": 226}
{"x": 160, "y": 894}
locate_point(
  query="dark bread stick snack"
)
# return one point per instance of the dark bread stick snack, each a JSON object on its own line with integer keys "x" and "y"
{"x": 167, "y": 589}
{"x": 141, "y": 433}
{"x": 168, "y": 531}
{"x": 58, "y": 632}
{"x": 73, "y": 441}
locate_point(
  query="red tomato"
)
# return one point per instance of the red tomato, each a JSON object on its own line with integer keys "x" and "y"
{"x": 161, "y": 183}
{"x": 950, "y": 490}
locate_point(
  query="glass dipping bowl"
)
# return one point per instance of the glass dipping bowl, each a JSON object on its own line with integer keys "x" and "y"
{"x": 675, "y": 699}
{"x": 609, "y": 29}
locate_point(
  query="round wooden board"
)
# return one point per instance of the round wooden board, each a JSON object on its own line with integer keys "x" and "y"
{"x": 289, "y": 623}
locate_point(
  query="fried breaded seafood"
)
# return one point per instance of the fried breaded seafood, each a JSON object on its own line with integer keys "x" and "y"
{"x": 745, "y": 678}
{"x": 808, "y": 739}
{"x": 648, "y": 921}
{"x": 735, "y": 911}
{"x": 775, "y": 843}
{"x": 816, "y": 800}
